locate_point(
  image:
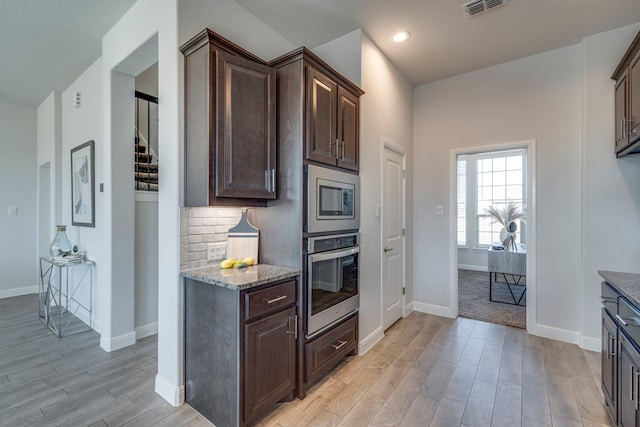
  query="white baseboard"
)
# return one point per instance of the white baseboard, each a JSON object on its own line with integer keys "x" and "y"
{"x": 368, "y": 342}
{"x": 438, "y": 310}
{"x": 146, "y": 330}
{"x": 589, "y": 343}
{"x": 554, "y": 333}
{"x": 16, "y": 292}
{"x": 408, "y": 309}
{"x": 473, "y": 267}
{"x": 116, "y": 343}
{"x": 169, "y": 392}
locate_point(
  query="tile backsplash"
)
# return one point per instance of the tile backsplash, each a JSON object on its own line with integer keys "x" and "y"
{"x": 199, "y": 226}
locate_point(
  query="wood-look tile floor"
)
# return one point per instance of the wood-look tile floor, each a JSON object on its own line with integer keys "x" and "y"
{"x": 434, "y": 371}
{"x": 71, "y": 381}
{"x": 427, "y": 371}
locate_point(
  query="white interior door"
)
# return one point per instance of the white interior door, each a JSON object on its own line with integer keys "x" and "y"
{"x": 392, "y": 235}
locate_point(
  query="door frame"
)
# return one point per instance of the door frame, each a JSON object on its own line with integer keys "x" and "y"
{"x": 530, "y": 146}
{"x": 385, "y": 144}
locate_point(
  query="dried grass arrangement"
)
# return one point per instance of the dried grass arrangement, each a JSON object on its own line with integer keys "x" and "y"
{"x": 507, "y": 216}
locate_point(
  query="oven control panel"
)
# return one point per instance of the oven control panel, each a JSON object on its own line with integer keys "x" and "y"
{"x": 329, "y": 243}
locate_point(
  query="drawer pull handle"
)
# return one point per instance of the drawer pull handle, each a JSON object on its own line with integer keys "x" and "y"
{"x": 339, "y": 346}
{"x": 271, "y": 301}
{"x": 295, "y": 327}
{"x": 605, "y": 300}
{"x": 612, "y": 346}
{"x": 634, "y": 321}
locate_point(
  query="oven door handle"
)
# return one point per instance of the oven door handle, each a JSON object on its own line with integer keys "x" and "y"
{"x": 323, "y": 256}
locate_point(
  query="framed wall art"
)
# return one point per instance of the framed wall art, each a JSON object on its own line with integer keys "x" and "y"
{"x": 83, "y": 185}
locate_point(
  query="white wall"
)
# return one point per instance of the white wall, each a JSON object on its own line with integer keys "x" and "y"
{"x": 344, "y": 54}
{"x": 144, "y": 21}
{"x": 80, "y": 125}
{"x": 232, "y": 21}
{"x": 49, "y": 152}
{"x": 385, "y": 113}
{"x": 540, "y": 98}
{"x": 18, "y": 184}
{"x": 146, "y": 265}
{"x": 611, "y": 194}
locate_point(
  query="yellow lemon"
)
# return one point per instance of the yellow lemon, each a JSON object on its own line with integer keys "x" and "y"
{"x": 227, "y": 263}
{"x": 249, "y": 261}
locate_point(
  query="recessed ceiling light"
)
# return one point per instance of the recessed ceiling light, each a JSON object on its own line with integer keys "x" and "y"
{"x": 400, "y": 36}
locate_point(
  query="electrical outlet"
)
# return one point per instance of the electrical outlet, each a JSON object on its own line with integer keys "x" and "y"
{"x": 216, "y": 250}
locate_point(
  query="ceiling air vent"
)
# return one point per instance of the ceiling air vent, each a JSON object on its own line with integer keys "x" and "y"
{"x": 477, "y": 7}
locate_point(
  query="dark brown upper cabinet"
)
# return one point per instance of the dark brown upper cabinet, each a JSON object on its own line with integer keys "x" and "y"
{"x": 230, "y": 116}
{"x": 627, "y": 101}
{"x": 330, "y": 108}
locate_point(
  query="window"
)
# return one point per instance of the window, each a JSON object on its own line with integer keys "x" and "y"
{"x": 462, "y": 201}
{"x": 499, "y": 179}
{"x": 495, "y": 179}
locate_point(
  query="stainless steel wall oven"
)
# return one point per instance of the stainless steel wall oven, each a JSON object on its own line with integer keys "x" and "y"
{"x": 332, "y": 279}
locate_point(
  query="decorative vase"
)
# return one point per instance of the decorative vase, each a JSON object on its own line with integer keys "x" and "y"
{"x": 60, "y": 242}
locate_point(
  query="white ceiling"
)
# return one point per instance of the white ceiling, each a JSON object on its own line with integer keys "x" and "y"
{"x": 443, "y": 41}
{"x": 46, "y": 44}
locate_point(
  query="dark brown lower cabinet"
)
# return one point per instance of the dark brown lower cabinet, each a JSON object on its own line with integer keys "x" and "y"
{"x": 270, "y": 362}
{"x": 629, "y": 379}
{"x": 240, "y": 349}
{"x": 610, "y": 364}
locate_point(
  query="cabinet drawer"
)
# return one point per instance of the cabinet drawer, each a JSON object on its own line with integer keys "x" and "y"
{"x": 609, "y": 298}
{"x": 323, "y": 352}
{"x": 629, "y": 318}
{"x": 270, "y": 299}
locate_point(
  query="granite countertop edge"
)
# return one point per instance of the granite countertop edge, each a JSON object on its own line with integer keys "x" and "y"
{"x": 240, "y": 279}
{"x": 628, "y": 284}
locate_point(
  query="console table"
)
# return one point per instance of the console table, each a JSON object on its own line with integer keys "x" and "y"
{"x": 65, "y": 288}
{"x": 512, "y": 266}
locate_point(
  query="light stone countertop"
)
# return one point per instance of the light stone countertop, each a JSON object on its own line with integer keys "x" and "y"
{"x": 628, "y": 284}
{"x": 240, "y": 278}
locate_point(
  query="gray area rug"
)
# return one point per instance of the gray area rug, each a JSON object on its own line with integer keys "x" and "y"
{"x": 473, "y": 299}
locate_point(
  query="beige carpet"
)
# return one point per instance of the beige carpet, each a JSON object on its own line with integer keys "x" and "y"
{"x": 473, "y": 300}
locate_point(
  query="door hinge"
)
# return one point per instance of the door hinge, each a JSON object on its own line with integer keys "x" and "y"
{"x": 404, "y": 291}
{"x": 404, "y": 232}
{"x": 404, "y": 173}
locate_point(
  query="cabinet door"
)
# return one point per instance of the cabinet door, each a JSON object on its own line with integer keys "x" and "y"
{"x": 321, "y": 99}
{"x": 633, "y": 125}
{"x": 245, "y": 128}
{"x": 609, "y": 371}
{"x": 269, "y": 361}
{"x": 348, "y": 129}
{"x": 621, "y": 107}
{"x": 628, "y": 373}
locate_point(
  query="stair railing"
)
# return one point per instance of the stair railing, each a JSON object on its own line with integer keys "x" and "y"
{"x": 145, "y": 173}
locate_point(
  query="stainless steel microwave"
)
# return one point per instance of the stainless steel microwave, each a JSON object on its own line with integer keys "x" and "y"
{"x": 333, "y": 200}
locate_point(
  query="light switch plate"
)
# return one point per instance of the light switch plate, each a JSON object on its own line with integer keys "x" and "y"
{"x": 216, "y": 250}
{"x": 439, "y": 210}
{"x": 13, "y": 210}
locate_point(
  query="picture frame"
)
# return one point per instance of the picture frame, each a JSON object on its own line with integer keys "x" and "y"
{"x": 83, "y": 185}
